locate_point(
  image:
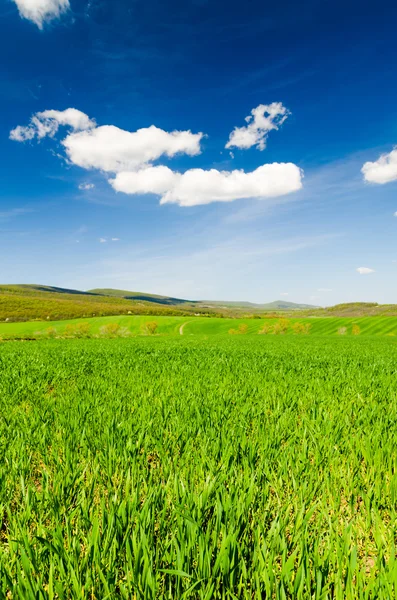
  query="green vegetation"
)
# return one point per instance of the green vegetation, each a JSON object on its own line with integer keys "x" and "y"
{"x": 231, "y": 467}
{"x": 27, "y": 303}
{"x": 44, "y": 303}
{"x": 191, "y": 325}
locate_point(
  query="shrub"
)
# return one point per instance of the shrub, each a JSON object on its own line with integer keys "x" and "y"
{"x": 342, "y": 330}
{"x": 298, "y": 328}
{"x": 81, "y": 330}
{"x": 51, "y": 332}
{"x": 301, "y": 328}
{"x": 281, "y": 327}
{"x": 242, "y": 329}
{"x": 110, "y": 330}
{"x": 266, "y": 329}
{"x": 149, "y": 328}
{"x": 356, "y": 330}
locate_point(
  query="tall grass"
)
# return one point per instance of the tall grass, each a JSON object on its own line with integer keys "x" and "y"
{"x": 242, "y": 467}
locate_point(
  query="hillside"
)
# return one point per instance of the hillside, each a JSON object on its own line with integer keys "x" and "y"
{"x": 166, "y": 300}
{"x": 217, "y": 304}
{"x": 276, "y": 305}
{"x": 39, "y": 302}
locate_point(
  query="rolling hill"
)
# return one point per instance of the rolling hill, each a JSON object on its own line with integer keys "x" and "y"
{"x": 48, "y": 303}
{"x": 217, "y": 304}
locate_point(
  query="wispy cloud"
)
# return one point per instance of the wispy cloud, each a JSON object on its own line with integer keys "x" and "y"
{"x": 365, "y": 270}
{"x": 14, "y": 212}
{"x": 197, "y": 272}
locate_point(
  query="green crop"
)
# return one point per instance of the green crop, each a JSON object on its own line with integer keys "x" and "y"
{"x": 233, "y": 467}
{"x": 138, "y": 325}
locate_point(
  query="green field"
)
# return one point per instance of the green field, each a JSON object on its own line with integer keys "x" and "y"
{"x": 227, "y": 467}
{"x": 202, "y": 325}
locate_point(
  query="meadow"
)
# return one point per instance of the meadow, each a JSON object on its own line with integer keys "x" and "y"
{"x": 193, "y": 325}
{"x": 227, "y": 467}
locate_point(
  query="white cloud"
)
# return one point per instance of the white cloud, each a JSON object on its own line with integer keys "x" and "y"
{"x": 115, "y": 239}
{"x": 102, "y": 240}
{"x": 111, "y": 149}
{"x": 284, "y": 294}
{"x": 197, "y": 186}
{"x": 41, "y": 11}
{"x": 365, "y": 270}
{"x": 395, "y": 214}
{"x": 382, "y": 170}
{"x": 129, "y": 156}
{"x": 108, "y": 148}
{"x": 47, "y": 123}
{"x": 263, "y": 119}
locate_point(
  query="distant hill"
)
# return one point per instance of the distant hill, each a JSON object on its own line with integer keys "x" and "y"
{"x": 41, "y": 302}
{"x": 169, "y": 300}
{"x": 30, "y": 302}
{"x": 276, "y": 305}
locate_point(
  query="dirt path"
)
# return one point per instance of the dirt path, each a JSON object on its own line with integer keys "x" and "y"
{"x": 182, "y": 327}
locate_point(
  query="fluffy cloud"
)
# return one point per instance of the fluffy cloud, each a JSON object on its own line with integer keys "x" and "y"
{"x": 197, "y": 186}
{"x": 108, "y": 148}
{"x": 129, "y": 157}
{"x": 263, "y": 118}
{"x": 382, "y": 170}
{"x": 47, "y": 123}
{"x": 111, "y": 149}
{"x": 365, "y": 270}
{"x": 41, "y": 11}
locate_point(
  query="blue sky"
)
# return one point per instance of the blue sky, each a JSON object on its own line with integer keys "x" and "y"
{"x": 201, "y": 67}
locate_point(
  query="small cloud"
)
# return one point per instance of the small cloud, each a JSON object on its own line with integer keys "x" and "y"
{"x": 41, "y": 11}
{"x": 86, "y": 186}
{"x": 231, "y": 154}
{"x": 395, "y": 214}
{"x": 284, "y": 294}
{"x": 365, "y": 270}
{"x": 382, "y": 170}
{"x": 263, "y": 118}
{"x": 324, "y": 290}
{"x": 115, "y": 239}
{"x": 102, "y": 240}
{"x": 46, "y": 124}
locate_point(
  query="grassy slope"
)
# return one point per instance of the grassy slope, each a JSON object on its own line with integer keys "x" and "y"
{"x": 26, "y": 303}
{"x": 170, "y": 325}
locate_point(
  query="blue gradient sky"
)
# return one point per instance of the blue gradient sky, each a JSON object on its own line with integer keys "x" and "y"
{"x": 203, "y": 66}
